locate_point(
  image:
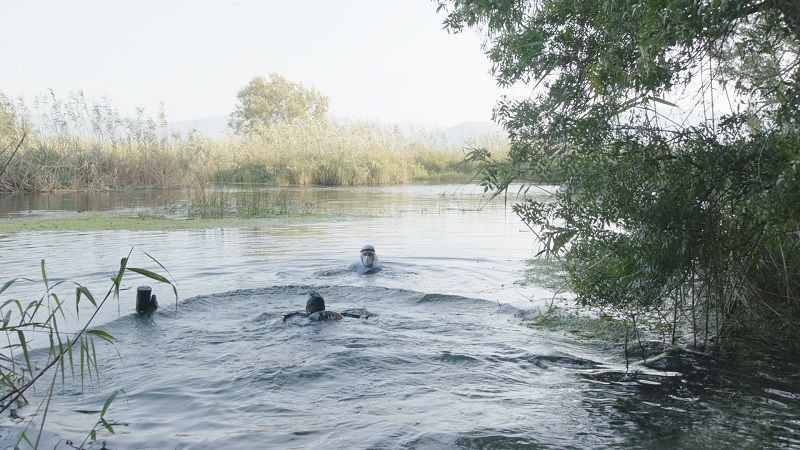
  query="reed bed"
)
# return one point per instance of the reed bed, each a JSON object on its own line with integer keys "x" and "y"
{"x": 74, "y": 144}
{"x": 245, "y": 202}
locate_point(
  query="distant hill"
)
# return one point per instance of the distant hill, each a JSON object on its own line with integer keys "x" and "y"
{"x": 213, "y": 127}
{"x": 473, "y": 133}
{"x": 465, "y": 133}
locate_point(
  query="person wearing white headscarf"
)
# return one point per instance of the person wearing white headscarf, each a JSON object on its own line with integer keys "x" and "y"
{"x": 367, "y": 261}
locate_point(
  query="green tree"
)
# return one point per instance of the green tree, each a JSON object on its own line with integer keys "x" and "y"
{"x": 265, "y": 102}
{"x": 695, "y": 220}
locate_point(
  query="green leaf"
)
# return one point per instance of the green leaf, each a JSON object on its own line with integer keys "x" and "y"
{"x": 6, "y": 318}
{"x": 25, "y": 438}
{"x": 82, "y": 352}
{"x": 85, "y": 291}
{"x": 661, "y": 100}
{"x": 24, "y": 346}
{"x": 107, "y": 403}
{"x": 118, "y": 279}
{"x": 60, "y": 352}
{"x": 44, "y": 274}
{"x": 107, "y": 426}
{"x": 560, "y": 239}
{"x": 149, "y": 274}
{"x": 159, "y": 264}
{"x": 7, "y": 285}
{"x": 69, "y": 354}
{"x": 59, "y": 306}
{"x": 101, "y": 334}
{"x": 94, "y": 358}
{"x": 154, "y": 276}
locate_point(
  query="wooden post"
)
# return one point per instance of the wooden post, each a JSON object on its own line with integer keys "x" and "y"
{"x": 144, "y": 301}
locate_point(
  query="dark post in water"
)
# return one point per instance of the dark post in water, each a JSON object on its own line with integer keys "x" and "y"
{"x": 144, "y": 301}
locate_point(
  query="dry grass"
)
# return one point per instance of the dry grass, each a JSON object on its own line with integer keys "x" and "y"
{"x": 76, "y": 145}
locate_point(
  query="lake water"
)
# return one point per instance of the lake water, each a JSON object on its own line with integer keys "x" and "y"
{"x": 445, "y": 361}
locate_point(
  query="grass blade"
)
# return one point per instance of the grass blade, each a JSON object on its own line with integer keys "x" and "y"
{"x": 108, "y": 403}
{"x": 24, "y": 346}
{"x": 8, "y": 284}
{"x": 159, "y": 265}
{"x": 662, "y": 101}
{"x": 155, "y": 276}
{"x": 85, "y": 291}
{"x": 44, "y": 275}
{"x": 107, "y": 426}
{"x": 102, "y": 335}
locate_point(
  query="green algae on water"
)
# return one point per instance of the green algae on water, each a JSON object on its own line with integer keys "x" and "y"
{"x": 582, "y": 326}
{"x": 546, "y": 273}
{"x": 107, "y": 220}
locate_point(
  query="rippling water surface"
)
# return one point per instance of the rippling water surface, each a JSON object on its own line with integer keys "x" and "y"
{"x": 444, "y": 360}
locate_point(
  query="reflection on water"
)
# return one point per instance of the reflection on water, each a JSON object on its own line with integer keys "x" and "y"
{"x": 25, "y": 203}
{"x": 443, "y": 363}
{"x": 383, "y": 200}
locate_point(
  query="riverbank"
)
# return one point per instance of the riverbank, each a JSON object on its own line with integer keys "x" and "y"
{"x": 62, "y": 147}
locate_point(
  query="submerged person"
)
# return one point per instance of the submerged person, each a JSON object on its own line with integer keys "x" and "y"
{"x": 367, "y": 261}
{"x": 315, "y": 311}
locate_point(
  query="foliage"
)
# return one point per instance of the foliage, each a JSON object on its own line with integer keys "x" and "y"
{"x": 45, "y": 321}
{"x": 263, "y": 103}
{"x": 76, "y": 144}
{"x": 673, "y": 129}
{"x": 334, "y": 154}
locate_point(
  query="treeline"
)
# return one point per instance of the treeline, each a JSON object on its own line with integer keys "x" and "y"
{"x": 75, "y": 144}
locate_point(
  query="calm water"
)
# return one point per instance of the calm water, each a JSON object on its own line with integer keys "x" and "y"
{"x": 444, "y": 362}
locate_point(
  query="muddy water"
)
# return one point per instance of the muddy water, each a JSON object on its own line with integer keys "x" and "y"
{"x": 443, "y": 361}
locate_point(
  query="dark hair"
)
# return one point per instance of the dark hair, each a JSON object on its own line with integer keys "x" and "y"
{"x": 315, "y": 303}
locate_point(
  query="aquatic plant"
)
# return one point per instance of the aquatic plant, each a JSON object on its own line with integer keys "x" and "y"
{"x": 43, "y": 320}
{"x": 244, "y": 202}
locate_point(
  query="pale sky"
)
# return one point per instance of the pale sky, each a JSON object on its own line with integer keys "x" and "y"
{"x": 376, "y": 59}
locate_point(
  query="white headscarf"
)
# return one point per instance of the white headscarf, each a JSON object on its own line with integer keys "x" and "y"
{"x": 359, "y": 266}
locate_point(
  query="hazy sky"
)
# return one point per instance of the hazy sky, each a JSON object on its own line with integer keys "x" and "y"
{"x": 375, "y": 59}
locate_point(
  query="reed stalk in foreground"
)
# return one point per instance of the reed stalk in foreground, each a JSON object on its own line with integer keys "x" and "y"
{"x": 38, "y": 321}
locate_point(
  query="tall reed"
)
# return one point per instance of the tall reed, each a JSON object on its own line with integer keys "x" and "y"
{"x": 77, "y": 144}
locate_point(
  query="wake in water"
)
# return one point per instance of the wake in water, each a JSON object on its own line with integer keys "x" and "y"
{"x": 424, "y": 371}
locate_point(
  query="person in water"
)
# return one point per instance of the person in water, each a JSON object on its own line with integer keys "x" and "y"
{"x": 315, "y": 311}
{"x": 367, "y": 261}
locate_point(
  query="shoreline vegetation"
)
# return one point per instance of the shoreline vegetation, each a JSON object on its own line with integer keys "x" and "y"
{"x": 74, "y": 144}
{"x": 678, "y": 203}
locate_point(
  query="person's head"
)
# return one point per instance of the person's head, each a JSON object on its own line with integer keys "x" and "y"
{"x": 315, "y": 303}
{"x": 368, "y": 255}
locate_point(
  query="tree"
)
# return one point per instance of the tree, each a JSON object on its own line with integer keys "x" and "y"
{"x": 693, "y": 219}
{"x": 265, "y": 102}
